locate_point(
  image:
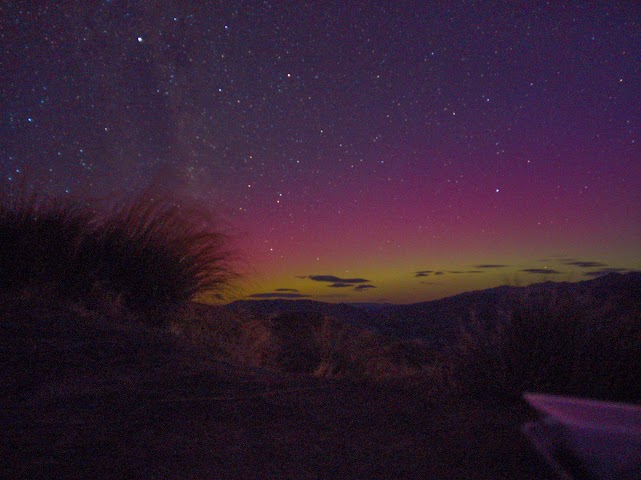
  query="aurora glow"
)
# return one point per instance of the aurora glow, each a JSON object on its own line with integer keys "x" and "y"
{"x": 477, "y": 144}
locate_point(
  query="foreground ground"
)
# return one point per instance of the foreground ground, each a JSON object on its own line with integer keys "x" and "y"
{"x": 88, "y": 396}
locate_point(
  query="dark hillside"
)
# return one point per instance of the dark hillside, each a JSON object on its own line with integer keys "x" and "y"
{"x": 105, "y": 393}
{"x": 92, "y": 395}
{"x": 352, "y": 314}
{"x": 440, "y": 321}
{"x": 303, "y": 341}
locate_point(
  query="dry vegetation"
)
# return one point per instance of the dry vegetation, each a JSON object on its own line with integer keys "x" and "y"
{"x": 310, "y": 344}
{"x": 559, "y": 344}
{"x": 100, "y": 341}
{"x": 151, "y": 255}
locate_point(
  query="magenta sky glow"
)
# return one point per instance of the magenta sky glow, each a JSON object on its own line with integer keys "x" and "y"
{"x": 361, "y": 151}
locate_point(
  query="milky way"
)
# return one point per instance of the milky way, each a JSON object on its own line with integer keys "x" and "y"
{"x": 421, "y": 148}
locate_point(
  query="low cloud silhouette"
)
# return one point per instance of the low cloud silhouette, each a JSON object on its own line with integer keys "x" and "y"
{"x": 275, "y": 295}
{"x": 359, "y": 284}
{"x": 490, "y": 265}
{"x": 423, "y": 273}
{"x": 544, "y": 271}
{"x": 333, "y": 279}
{"x": 358, "y": 288}
{"x": 578, "y": 263}
{"x": 427, "y": 273}
{"x": 287, "y": 290}
{"x": 605, "y": 271}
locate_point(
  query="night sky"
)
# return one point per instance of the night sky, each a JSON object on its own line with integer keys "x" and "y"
{"x": 359, "y": 151}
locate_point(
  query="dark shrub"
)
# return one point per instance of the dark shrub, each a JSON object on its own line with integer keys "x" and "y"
{"x": 149, "y": 255}
{"x": 156, "y": 253}
{"x": 299, "y": 348}
{"x": 552, "y": 345}
{"x": 40, "y": 240}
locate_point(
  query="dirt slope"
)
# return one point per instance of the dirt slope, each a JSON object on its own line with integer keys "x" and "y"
{"x": 88, "y": 396}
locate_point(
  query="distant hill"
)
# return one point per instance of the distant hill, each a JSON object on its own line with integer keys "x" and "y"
{"x": 439, "y": 321}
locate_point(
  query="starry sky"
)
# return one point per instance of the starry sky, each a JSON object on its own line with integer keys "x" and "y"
{"x": 361, "y": 151}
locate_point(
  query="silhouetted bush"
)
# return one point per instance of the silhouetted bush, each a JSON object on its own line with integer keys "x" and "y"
{"x": 156, "y": 253}
{"x": 40, "y": 240}
{"x": 148, "y": 255}
{"x": 552, "y": 345}
{"x": 304, "y": 343}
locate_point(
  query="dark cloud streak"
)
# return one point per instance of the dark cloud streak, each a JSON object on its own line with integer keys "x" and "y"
{"x": 543, "y": 271}
{"x": 582, "y": 264}
{"x": 423, "y": 273}
{"x": 334, "y": 279}
{"x": 276, "y": 295}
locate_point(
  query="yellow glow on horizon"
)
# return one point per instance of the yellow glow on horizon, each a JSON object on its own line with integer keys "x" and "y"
{"x": 396, "y": 282}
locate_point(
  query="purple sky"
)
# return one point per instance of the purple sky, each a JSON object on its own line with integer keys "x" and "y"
{"x": 360, "y": 151}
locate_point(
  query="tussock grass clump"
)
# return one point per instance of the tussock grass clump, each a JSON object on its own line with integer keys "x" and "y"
{"x": 157, "y": 253}
{"x": 552, "y": 345}
{"x": 304, "y": 343}
{"x": 149, "y": 255}
{"x": 40, "y": 241}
